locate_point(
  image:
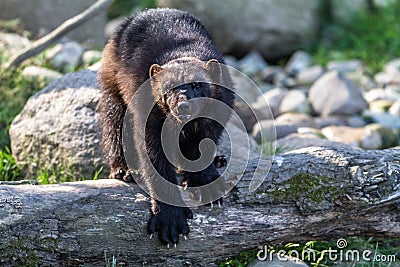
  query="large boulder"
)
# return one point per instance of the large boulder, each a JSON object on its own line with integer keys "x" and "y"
{"x": 58, "y": 127}
{"x": 44, "y": 15}
{"x": 274, "y": 27}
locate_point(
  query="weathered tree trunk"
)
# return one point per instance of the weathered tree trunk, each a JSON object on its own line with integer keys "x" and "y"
{"x": 311, "y": 193}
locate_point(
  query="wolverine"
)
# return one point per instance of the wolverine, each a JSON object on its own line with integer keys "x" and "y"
{"x": 174, "y": 54}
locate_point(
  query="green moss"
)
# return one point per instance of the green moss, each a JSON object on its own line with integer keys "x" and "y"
{"x": 20, "y": 252}
{"x": 304, "y": 185}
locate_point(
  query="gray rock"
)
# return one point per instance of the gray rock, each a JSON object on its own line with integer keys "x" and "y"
{"x": 284, "y": 80}
{"x": 389, "y": 137}
{"x": 395, "y": 108}
{"x": 384, "y": 78}
{"x": 309, "y": 75}
{"x": 298, "y": 62}
{"x": 381, "y": 94}
{"x": 333, "y": 93}
{"x": 247, "y": 115}
{"x": 66, "y": 56}
{"x": 91, "y": 56}
{"x": 245, "y": 88}
{"x": 41, "y": 73}
{"x": 297, "y": 119}
{"x": 273, "y": 98}
{"x": 385, "y": 119}
{"x": 282, "y": 126}
{"x": 390, "y": 74}
{"x": 393, "y": 66}
{"x": 269, "y": 73}
{"x": 345, "y": 66}
{"x": 340, "y": 120}
{"x": 225, "y": 148}
{"x": 355, "y": 121}
{"x": 301, "y": 140}
{"x": 265, "y": 87}
{"x": 13, "y": 42}
{"x": 45, "y": 15}
{"x": 372, "y": 136}
{"x": 262, "y": 111}
{"x": 96, "y": 66}
{"x": 295, "y": 101}
{"x": 381, "y": 105}
{"x": 367, "y": 82}
{"x": 348, "y": 135}
{"x": 231, "y": 61}
{"x": 252, "y": 63}
{"x": 275, "y": 28}
{"x": 58, "y": 127}
{"x": 269, "y": 130}
{"x": 330, "y": 121}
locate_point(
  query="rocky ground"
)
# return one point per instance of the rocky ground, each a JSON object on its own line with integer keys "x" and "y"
{"x": 341, "y": 102}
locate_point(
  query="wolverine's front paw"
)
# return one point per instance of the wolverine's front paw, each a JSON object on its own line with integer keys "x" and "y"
{"x": 169, "y": 222}
{"x": 121, "y": 174}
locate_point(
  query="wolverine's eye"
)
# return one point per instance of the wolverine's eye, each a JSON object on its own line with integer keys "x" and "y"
{"x": 195, "y": 85}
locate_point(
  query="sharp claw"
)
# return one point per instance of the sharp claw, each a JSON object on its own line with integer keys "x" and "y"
{"x": 200, "y": 198}
{"x": 212, "y": 205}
{"x": 168, "y": 245}
{"x": 219, "y": 204}
{"x": 185, "y": 187}
{"x": 174, "y": 245}
{"x": 151, "y": 236}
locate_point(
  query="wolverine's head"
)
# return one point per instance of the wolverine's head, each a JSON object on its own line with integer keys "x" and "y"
{"x": 177, "y": 84}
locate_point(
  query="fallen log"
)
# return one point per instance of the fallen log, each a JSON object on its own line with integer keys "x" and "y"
{"x": 308, "y": 194}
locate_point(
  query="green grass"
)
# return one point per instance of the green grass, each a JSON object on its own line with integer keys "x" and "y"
{"x": 110, "y": 262}
{"x": 372, "y": 37}
{"x": 8, "y": 167}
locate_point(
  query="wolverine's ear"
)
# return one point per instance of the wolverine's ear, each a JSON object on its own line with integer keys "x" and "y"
{"x": 214, "y": 70}
{"x": 154, "y": 69}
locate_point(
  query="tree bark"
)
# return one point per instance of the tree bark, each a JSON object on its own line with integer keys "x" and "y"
{"x": 308, "y": 194}
{"x": 67, "y": 26}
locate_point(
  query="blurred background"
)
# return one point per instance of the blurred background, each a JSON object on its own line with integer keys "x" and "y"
{"x": 366, "y": 29}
